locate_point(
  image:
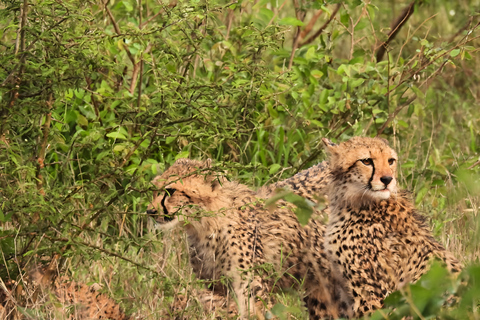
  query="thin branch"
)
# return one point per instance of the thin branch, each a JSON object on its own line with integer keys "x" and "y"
{"x": 474, "y": 165}
{"x": 171, "y": 5}
{"x": 296, "y": 39}
{"x": 432, "y": 60}
{"x": 465, "y": 27}
{"x": 230, "y": 17}
{"x": 275, "y": 14}
{"x": 108, "y": 252}
{"x": 94, "y": 100}
{"x": 117, "y": 30}
{"x": 139, "y": 98}
{"x": 310, "y": 24}
{"x": 399, "y": 23}
{"x": 19, "y": 47}
{"x": 136, "y": 70}
{"x": 140, "y": 14}
{"x": 20, "y": 43}
{"x": 394, "y": 114}
{"x": 322, "y": 28}
{"x": 434, "y": 74}
{"x": 27, "y": 49}
{"x": 43, "y": 145}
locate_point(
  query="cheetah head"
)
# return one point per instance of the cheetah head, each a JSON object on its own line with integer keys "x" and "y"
{"x": 186, "y": 190}
{"x": 364, "y": 169}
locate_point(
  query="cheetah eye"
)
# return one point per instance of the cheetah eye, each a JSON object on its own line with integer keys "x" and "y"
{"x": 367, "y": 162}
{"x": 391, "y": 161}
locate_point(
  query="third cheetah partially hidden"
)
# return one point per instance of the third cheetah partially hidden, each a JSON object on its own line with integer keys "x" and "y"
{"x": 375, "y": 238}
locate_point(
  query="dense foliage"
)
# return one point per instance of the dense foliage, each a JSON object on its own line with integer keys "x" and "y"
{"x": 97, "y": 97}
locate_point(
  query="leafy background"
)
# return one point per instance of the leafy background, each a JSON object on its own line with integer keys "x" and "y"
{"x": 96, "y": 98}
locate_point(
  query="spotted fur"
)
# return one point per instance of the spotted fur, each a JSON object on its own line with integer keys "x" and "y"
{"x": 231, "y": 234}
{"x": 41, "y": 284}
{"x": 375, "y": 239}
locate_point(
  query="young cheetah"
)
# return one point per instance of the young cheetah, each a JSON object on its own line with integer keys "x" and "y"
{"x": 376, "y": 240}
{"x": 40, "y": 284}
{"x": 230, "y": 234}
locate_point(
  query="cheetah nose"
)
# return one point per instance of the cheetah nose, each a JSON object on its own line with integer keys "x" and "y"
{"x": 386, "y": 180}
{"x": 151, "y": 211}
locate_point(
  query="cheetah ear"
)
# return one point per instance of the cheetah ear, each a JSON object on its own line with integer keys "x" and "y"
{"x": 328, "y": 142}
{"x": 330, "y": 147}
{"x": 383, "y": 140}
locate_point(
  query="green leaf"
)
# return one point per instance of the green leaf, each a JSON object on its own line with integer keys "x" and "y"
{"x": 418, "y": 92}
{"x": 274, "y": 168}
{"x": 357, "y": 82}
{"x": 116, "y": 135}
{"x": 183, "y": 154}
{"x": 454, "y": 53}
{"x": 345, "y": 18}
{"x": 317, "y": 74}
{"x": 310, "y": 53}
{"x": 128, "y": 6}
{"x": 291, "y": 21}
{"x": 170, "y": 139}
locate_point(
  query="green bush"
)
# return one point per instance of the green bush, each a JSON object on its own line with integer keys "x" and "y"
{"x": 97, "y": 99}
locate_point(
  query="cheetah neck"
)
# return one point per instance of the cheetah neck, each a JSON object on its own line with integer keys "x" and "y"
{"x": 310, "y": 183}
{"x": 345, "y": 208}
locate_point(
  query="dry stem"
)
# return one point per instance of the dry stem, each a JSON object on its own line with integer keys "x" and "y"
{"x": 397, "y": 25}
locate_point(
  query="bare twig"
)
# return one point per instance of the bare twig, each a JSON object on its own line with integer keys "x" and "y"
{"x": 117, "y": 30}
{"x": 136, "y": 70}
{"x": 30, "y": 46}
{"x": 323, "y": 27}
{"x": 310, "y": 24}
{"x": 108, "y": 252}
{"x": 474, "y": 165}
{"x": 230, "y": 17}
{"x": 301, "y": 34}
{"x": 465, "y": 27}
{"x": 140, "y": 14}
{"x": 19, "y": 47}
{"x": 43, "y": 145}
{"x": 434, "y": 74}
{"x": 172, "y": 4}
{"x": 300, "y": 16}
{"x": 432, "y": 60}
{"x": 94, "y": 100}
{"x": 397, "y": 25}
{"x": 275, "y": 14}
{"x": 139, "y": 98}
{"x": 392, "y": 115}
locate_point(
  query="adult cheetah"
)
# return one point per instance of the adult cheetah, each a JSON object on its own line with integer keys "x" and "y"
{"x": 231, "y": 234}
{"x": 375, "y": 238}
